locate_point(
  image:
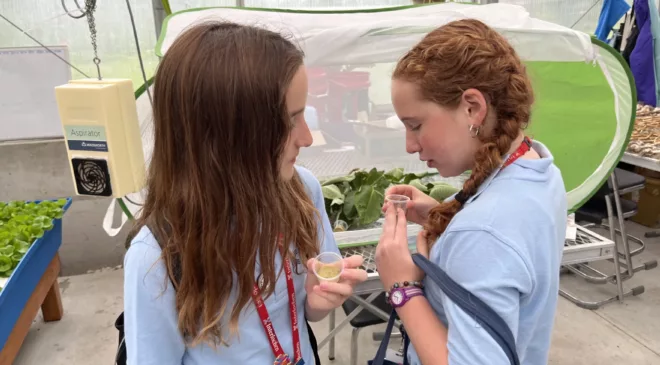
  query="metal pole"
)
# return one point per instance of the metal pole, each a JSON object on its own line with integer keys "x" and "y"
{"x": 159, "y": 15}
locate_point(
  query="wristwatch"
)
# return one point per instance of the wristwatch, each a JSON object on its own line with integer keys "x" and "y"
{"x": 400, "y": 296}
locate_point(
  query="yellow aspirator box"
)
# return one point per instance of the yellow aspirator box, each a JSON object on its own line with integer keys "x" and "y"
{"x": 102, "y": 132}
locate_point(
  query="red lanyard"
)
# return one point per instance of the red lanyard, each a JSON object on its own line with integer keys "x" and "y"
{"x": 280, "y": 356}
{"x": 524, "y": 147}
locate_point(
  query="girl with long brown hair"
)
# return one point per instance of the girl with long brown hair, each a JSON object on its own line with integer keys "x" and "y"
{"x": 217, "y": 271}
{"x": 465, "y": 99}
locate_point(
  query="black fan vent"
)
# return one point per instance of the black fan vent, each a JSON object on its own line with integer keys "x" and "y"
{"x": 92, "y": 176}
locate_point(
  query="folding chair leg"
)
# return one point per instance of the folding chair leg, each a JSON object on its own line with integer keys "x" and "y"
{"x": 591, "y": 275}
{"x": 331, "y": 345}
{"x": 354, "y": 345}
{"x": 601, "y": 278}
{"x": 622, "y": 225}
{"x": 615, "y": 254}
{"x": 597, "y": 304}
{"x": 636, "y": 240}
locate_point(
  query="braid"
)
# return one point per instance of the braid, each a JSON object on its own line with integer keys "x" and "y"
{"x": 487, "y": 160}
{"x": 467, "y": 54}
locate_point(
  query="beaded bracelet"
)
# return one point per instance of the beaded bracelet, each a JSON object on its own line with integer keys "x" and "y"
{"x": 418, "y": 284}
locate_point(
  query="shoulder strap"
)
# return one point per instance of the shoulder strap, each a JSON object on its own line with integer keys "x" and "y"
{"x": 472, "y": 305}
{"x": 475, "y": 307}
{"x": 382, "y": 349}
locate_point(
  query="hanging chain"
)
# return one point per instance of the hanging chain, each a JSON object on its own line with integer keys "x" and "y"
{"x": 90, "y": 6}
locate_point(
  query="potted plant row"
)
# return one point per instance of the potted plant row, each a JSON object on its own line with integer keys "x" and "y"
{"x": 30, "y": 237}
{"x": 21, "y": 224}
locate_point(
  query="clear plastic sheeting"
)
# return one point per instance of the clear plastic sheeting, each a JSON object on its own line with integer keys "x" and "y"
{"x": 584, "y": 91}
{"x": 369, "y": 37}
{"x": 47, "y": 21}
{"x": 581, "y": 15}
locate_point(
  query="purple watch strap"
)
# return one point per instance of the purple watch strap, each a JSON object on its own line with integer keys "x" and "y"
{"x": 400, "y": 296}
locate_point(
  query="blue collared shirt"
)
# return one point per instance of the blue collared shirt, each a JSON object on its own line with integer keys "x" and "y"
{"x": 505, "y": 246}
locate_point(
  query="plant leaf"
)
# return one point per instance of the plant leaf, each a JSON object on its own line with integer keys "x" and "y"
{"x": 7, "y": 250}
{"x": 349, "y": 207}
{"x": 425, "y": 174}
{"x": 337, "y": 201}
{"x": 5, "y": 263}
{"x": 418, "y": 184}
{"x": 373, "y": 176}
{"x": 395, "y": 175}
{"x": 360, "y": 178}
{"x": 340, "y": 179}
{"x": 22, "y": 235}
{"x": 58, "y": 213}
{"x": 48, "y": 225}
{"x": 332, "y": 192}
{"x": 36, "y": 230}
{"x": 21, "y": 246}
{"x": 407, "y": 178}
{"x": 440, "y": 192}
{"x": 368, "y": 202}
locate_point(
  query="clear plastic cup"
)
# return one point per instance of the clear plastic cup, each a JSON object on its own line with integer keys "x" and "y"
{"x": 328, "y": 266}
{"x": 398, "y": 202}
{"x": 341, "y": 226}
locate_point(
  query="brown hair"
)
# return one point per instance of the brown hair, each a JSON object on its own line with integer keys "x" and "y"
{"x": 462, "y": 55}
{"x": 215, "y": 199}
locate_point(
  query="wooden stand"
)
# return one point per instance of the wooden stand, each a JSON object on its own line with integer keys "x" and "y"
{"x": 46, "y": 296}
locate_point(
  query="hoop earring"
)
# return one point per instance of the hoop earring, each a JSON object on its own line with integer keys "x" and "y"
{"x": 474, "y": 131}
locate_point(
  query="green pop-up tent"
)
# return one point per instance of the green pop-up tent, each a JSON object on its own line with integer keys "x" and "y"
{"x": 585, "y": 94}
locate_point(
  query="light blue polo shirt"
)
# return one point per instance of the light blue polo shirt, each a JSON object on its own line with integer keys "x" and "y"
{"x": 152, "y": 337}
{"x": 505, "y": 246}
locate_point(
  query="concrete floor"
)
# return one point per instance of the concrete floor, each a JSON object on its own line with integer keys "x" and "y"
{"x": 616, "y": 333}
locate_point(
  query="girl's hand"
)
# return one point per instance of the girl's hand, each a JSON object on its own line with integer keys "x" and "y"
{"x": 325, "y": 296}
{"x": 393, "y": 258}
{"x": 418, "y": 206}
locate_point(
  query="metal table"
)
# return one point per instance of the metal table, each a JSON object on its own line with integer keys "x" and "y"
{"x": 644, "y": 162}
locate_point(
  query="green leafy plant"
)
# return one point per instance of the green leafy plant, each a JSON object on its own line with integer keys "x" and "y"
{"x": 22, "y": 223}
{"x": 357, "y": 198}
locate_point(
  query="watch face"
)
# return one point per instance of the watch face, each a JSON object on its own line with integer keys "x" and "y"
{"x": 397, "y": 297}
